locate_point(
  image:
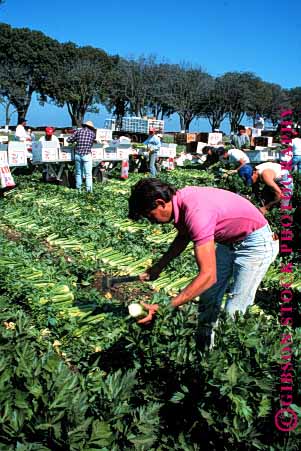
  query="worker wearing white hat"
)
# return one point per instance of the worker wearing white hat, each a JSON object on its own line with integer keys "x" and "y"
{"x": 84, "y": 138}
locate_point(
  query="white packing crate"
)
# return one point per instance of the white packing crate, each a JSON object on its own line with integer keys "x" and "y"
{"x": 135, "y": 124}
{"x": 103, "y": 134}
{"x": 156, "y": 124}
{"x": 260, "y": 154}
{"x": 3, "y": 158}
{"x": 44, "y": 152}
{"x": 215, "y": 138}
{"x": 123, "y": 153}
{"x": 167, "y": 152}
{"x": 109, "y": 153}
{"x": 274, "y": 155}
{"x": 3, "y": 139}
{"x": 17, "y": 153}
{"x": 200, "y": 147}
{"x": 65, "y": 154}
{"x": 97, "y": 153}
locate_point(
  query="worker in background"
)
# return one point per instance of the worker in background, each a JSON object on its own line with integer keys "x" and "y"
{"x": 296, "y": 144}
{"x": 259, "y": 122}
{"x": 278, "y": 185}
{"x": 241, "y": 140}
{"x": 20, "y": 133}
{"x": 31, "y": 135}
{"x": 84, "y": 138}
{"x": 50, "y": 136}
{"x": 232, "y": 240}
{"x": 240, "y": 158}
{"x": 153, "y": 144}
{"x": 213, "y": 155}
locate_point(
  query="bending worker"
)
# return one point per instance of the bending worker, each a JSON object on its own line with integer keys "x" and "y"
{"x": 245, "y": 244}
{"x": 278, "y": 185}
{"x": 244, "y": 168}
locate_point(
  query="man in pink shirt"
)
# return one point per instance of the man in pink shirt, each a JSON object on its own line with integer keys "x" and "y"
{"x": 232, "y": 240}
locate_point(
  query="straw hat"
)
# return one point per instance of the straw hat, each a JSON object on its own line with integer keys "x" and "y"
{"x": 89, "y": 124}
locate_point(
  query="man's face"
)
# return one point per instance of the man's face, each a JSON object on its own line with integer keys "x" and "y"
{"x": 161, "y": 214}
{"x": 242, "y": 132}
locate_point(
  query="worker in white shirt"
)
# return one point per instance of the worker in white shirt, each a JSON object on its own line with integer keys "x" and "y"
{"x": 20, "y": 133}
{"x": 50, "y": 136}
{"x": 296, "y": 144}
{"x": 244, "y": 169}
{"x": 259, "y": 122}
{"x": 278, "y": 185}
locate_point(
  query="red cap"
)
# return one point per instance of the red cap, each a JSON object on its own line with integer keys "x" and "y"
{"x": 49, "y": 130}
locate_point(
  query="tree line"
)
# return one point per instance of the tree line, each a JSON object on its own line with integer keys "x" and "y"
{"x": 82, "y": 78}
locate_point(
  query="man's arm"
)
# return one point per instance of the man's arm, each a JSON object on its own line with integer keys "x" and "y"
{"x": 176, "y": 248}
{"x": 268, "y": 177}
{"x": 206, "y": 260}
{"x": 241, "y": 164}
{"x": 73, "y": 137}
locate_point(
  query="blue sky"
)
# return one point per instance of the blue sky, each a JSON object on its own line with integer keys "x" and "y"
{"x": 222, "y": 35}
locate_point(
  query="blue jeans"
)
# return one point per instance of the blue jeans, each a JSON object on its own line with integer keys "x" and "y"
{"x": 246, "y": 174}
{"x": 240, "y": 266}
{"x": 297, "y": 163}
{"x": 152, "y": 163}
{"x": 83, "y": 165}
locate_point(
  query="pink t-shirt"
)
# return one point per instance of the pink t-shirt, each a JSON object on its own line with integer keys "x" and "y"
{"x": 206, "y": 214}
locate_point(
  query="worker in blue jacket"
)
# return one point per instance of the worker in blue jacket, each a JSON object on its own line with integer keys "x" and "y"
{"x": 153, "y": 144}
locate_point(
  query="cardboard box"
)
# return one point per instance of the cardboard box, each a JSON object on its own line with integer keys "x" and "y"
{"x": 184, "y": 138}
{"x": 215, "y": 138}
{"x": 103, "y": 134}
{"x": 3, "y": 139}
{"x": 211, "y": 139}
{"x": 17, "y": 153}
{"x": 44, "y": 152}
{"x": 263, "y": 141}
{"x": 3, "y": 158}
{"x": 259, "y": 155}
{"x": 97, "y": 153}
{"x": 65, "y": 154}
{"x": 167, "y": 152}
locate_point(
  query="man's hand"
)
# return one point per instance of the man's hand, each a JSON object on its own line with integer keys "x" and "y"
{"x": 152, "y": 309}
{"x": 150, "y": 274}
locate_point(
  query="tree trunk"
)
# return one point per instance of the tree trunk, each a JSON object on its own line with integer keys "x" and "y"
{"x": 187, "y": 124}
{"x": 182, "y": 125}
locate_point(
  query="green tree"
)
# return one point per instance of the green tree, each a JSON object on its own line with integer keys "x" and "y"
{"x": 238, "y": 89}
{"x": 187, "y": 89}
{"x": 26, "y": 59}
{"x": 79, "y": 81}
{"x": 267, "y": 100}
{"x": 294, "y": 100}
{"x": 117, "y": 101}
{"x": 215, "y": 108}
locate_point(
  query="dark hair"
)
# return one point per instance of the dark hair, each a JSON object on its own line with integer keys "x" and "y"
{"x": 144, "y": 195}
{"x": 206, "y": 149}
{"x": 241, "y": 127}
